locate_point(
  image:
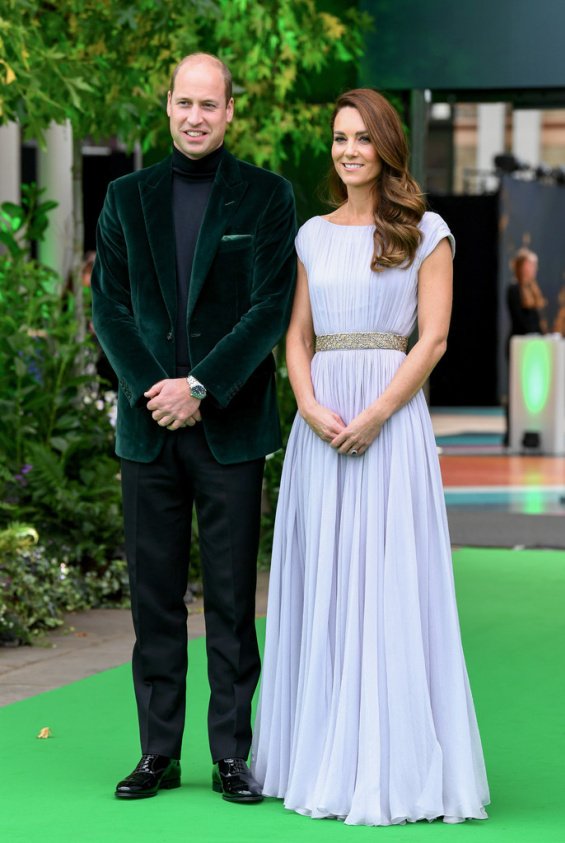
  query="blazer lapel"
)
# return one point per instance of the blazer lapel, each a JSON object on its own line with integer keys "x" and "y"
{"x": 157, "y": 204}
{"x": 227, "y": 192}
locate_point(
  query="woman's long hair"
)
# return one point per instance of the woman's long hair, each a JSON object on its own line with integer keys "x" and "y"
{"x": 398, "y": 200}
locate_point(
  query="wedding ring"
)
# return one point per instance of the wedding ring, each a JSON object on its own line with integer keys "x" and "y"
{"x": 353, "y": 452}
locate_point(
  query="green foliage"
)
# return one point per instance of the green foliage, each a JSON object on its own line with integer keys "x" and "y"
{"x": 105, "y": 66}
{"x": 57, "y": 467}
{"x": 21, "y": 225}
{"x": 36, "y": 587}
{"x": 278, "y": 51}
{"x": 101, "y": 64}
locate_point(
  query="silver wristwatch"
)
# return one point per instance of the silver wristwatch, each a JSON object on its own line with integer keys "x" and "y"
{"x": 197, "y": 390}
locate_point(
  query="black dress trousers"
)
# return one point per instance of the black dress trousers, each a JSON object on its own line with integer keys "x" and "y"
{"x": 158, "y": 499}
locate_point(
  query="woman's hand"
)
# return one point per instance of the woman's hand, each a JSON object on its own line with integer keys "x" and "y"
{"x": 359, "y": 433}
{"x": 324, "y": 422}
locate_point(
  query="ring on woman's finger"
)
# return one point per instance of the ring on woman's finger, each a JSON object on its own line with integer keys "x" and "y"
{"x": 353, "y": 452}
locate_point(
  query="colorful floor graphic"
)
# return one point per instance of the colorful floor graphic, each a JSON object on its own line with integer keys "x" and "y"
{"x": 529, "y": 500}
{"x": 477, "y": 471}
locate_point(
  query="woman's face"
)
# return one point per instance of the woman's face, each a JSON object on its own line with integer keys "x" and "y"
{"x": 355, "y": 158}
{"x": 527, "y": 271}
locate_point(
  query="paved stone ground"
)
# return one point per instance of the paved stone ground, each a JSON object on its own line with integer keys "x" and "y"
{"x": 90, "y": 642}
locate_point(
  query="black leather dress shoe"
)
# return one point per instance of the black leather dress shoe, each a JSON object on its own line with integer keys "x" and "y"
{"x": 153, "y": 773}
{"x": 232, "y": 778}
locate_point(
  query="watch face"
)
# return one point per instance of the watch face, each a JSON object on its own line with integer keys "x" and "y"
{"x": 197, "y": 390}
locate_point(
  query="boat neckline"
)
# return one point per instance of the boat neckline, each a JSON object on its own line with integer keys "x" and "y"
{"x": 340, "y": 225}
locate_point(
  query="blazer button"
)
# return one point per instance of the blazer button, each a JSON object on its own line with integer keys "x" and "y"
{"x": 170, "y": 336}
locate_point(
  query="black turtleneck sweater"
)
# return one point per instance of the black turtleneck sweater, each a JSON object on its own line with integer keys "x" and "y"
{"x": 192, "y": 183}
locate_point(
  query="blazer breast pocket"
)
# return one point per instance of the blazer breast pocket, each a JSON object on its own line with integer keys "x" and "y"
{"x": 235, "y": 242}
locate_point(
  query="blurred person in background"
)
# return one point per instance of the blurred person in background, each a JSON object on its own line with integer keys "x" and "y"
{"x": 526, "y": 306}
{"x": 526, "y": 302}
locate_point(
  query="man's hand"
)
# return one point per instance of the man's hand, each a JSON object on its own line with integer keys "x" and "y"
{"x": 172, "y": 405}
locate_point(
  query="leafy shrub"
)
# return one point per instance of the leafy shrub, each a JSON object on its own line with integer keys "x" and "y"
{"x": 36, "y": 588}
{"x": 57, "y": 467}
{"x": 56, "y": 439}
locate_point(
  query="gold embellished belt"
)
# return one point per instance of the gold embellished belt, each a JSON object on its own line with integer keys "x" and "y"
{"x": 351, "y": 342}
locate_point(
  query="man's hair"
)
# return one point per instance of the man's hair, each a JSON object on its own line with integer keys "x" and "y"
{"x": 195, "y": 57}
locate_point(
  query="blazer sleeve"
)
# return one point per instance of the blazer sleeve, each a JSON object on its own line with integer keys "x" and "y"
{"x": 112, "y": 313}
{"x": 227, "y": 367}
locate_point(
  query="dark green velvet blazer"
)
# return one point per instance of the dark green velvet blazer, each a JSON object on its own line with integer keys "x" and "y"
{"x": 240, "y": 297}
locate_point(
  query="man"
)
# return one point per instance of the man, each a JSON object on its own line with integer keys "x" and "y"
{"x": 192, "y": 289}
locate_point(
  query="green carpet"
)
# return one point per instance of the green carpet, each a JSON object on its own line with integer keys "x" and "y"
{"x": 513, "y": 619}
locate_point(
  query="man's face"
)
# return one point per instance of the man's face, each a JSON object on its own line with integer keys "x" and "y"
{"x": 197, "y": 109}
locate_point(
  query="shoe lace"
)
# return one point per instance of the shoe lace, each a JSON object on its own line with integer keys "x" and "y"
{"x": 146, "y": 764}
{"x": 236, "y": 765}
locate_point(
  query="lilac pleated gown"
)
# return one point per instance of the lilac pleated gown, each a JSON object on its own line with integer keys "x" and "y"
{"x": 365, "y": 711}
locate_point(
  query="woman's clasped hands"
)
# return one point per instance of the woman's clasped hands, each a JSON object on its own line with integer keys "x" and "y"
{"x": 352, "y": 439}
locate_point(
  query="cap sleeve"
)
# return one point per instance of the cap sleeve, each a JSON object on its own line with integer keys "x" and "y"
{"x": 300, "y": 244}
{"x": 434, "y": 229}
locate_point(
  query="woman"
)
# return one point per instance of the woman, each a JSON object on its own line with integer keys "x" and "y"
{"x": 526, "y": 305}
{"x": 525, "y": 299}
{"x": 365, "y": 709}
